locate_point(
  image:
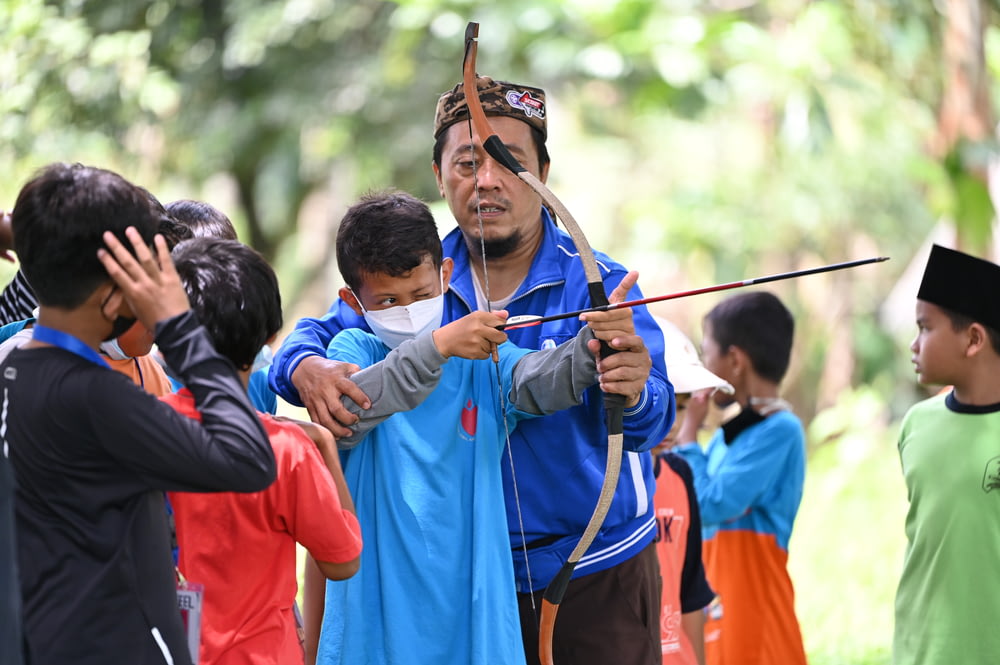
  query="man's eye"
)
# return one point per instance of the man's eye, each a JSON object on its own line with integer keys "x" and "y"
{"x": 388, "y": 302}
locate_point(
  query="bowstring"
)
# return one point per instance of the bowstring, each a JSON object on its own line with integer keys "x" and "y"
{"x": 496, "y": 364}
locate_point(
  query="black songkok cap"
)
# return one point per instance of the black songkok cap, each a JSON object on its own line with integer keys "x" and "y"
{"x": 963, "y": 284}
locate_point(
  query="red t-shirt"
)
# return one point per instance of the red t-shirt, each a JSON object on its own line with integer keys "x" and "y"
{"x": 242, "y": 548}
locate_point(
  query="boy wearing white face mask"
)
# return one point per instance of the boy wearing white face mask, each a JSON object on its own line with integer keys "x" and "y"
{"x": 436, "y": 580}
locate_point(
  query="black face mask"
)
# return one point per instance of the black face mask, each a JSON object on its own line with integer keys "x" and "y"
{"x": 120, "y": 327}
{"x": 120, "y": 324}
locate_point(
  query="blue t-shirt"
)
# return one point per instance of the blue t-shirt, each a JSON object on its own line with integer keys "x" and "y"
{"x": 10, "y": 329}
{"x": 436, "y": 582}
{"x": 261, "y": 396}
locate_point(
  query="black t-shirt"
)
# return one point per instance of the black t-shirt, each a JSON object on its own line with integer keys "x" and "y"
{"x": 10, "y": 591}
{"x": 92, "y": 455}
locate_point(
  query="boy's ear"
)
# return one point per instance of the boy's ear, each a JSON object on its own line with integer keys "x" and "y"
{"x": 447, "y": 268}
{"x": 978, "y": 339}
{"x": 739, "y": 362}
{"x": 348, "y": 297}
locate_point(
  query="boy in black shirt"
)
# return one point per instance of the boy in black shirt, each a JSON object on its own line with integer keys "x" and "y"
{"x": 91, "y": 452}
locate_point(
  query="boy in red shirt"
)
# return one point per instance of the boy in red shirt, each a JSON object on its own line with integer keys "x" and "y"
{"x": 242, "y": 547}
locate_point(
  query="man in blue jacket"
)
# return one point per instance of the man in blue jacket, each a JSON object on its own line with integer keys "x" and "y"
{"x": 556, "y": 466}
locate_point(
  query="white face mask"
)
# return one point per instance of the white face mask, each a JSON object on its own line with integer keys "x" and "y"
{"x": 397, "y": 324}
{"x": 113, "y": 350}
{"x": 265, "y": 357}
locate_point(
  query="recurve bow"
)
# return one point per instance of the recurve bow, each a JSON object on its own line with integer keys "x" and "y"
{"x": 613, "y": 404}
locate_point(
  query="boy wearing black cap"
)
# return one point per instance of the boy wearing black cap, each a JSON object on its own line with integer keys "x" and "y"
{"x": 946, "y": 603}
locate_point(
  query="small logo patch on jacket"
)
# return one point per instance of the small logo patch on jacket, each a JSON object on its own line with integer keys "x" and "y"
{"x": 470, "y": 414}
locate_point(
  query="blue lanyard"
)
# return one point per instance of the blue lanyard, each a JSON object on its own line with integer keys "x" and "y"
{"x": 138, "y": 369}
{"x": 66, "y": 341}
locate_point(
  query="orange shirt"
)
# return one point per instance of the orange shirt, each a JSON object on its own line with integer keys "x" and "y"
{"x": 678, "y": 546}
{"x": 145, "y": 372}
{"x": 749, "y": 572}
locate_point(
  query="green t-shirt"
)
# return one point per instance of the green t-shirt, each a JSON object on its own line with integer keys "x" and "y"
{"x": 948, "y": 601}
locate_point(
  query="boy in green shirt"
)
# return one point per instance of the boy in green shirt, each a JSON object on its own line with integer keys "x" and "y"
{"x": 949, "y": 446}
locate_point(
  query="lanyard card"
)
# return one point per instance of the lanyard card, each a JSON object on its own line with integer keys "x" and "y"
{"x": 189, "y": 597}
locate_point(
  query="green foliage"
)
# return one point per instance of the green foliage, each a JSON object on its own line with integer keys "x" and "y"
{"x": 969, "y": 204}
{"x": 846, "y": 550}
{"x": 700, "y": 144}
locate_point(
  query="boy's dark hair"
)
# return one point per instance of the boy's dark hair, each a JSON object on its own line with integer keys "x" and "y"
{"x": 388, "y": 233}
{"x": 204, "y": 220}
{"x": 760, "y": 325}
{"x": 58, "y": 222}
{"x": 234, "y": 293}
{"x": 173, "y": 232}
{"x": 960, "y": 322}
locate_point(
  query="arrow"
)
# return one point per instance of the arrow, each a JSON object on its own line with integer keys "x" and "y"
{"x": 528, "y": 320}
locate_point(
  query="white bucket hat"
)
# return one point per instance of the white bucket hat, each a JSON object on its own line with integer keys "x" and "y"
{"x": 684, "y": 368}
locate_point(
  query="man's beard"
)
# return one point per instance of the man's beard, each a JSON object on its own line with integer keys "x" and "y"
{"x": 496, "y": 248}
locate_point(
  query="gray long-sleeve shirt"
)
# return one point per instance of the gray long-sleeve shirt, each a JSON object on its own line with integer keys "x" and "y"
{"x": 544, "y": 381}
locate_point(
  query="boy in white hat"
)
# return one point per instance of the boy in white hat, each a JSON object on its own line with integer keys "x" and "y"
{"x": 686, "y": 592}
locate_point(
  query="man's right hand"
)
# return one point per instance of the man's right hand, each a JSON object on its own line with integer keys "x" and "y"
{"x": 321, "y": 383}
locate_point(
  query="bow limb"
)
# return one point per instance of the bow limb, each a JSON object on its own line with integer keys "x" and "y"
{"x": 613, "y": 404}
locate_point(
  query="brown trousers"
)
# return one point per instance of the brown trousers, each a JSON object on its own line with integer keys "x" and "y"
{"x": 608, "y": 618}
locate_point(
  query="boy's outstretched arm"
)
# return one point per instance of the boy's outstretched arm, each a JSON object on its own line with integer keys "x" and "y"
{"x": 474, "y": 336}
{"x": 411, "y": 371}
{"x": 550, "y": 380}
{"x": 626, "y": 372}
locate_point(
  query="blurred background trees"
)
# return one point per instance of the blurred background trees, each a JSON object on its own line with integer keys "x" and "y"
{"x": 705, "y": 140}
{"x": 698, "y": 141}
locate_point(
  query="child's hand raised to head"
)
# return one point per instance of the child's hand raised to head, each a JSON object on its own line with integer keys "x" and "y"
{"x": 627, "y": 371}
{"x": 473, "y": 336}
{"x": 150, "y": 284}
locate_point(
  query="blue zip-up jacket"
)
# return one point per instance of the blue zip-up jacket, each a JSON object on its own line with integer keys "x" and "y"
{"x": 559, "y": 459}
